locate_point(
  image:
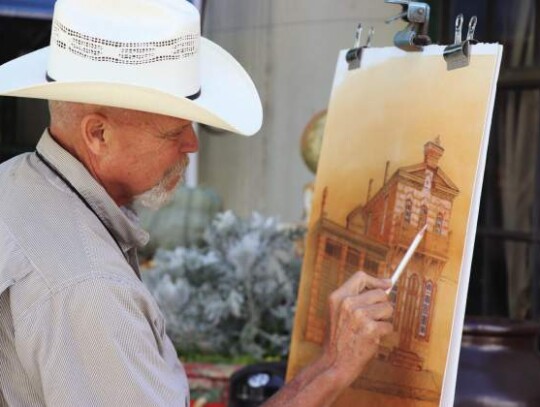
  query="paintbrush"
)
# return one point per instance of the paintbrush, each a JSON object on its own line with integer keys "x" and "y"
{"x": 405, "y": 260}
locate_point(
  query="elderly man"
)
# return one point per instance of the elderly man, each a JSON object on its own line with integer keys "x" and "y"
{"x": 77, "y": 326}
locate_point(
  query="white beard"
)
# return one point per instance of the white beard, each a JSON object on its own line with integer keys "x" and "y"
{"x": 159, "y": 195}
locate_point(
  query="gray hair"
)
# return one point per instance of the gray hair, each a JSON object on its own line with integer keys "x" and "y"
{"x": 66, "y": 115}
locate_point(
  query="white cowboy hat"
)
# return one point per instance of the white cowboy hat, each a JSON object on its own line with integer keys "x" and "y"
{"x": 145, "y": 55}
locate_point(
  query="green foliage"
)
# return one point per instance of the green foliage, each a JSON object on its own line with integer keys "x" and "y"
{"x": 235, "y": 294}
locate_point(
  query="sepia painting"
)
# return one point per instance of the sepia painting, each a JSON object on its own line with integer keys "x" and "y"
{"x": 404, "y": 146}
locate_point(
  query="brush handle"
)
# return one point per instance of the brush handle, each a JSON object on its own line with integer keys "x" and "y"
{"x": 405, "y": 260}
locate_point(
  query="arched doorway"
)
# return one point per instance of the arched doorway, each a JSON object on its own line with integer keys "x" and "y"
{"x": 408, "y": 322}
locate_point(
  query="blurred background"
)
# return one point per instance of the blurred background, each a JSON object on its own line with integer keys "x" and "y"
{"x": 290, "y": 50}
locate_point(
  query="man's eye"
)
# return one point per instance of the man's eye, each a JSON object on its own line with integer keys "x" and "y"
{"x": 172, "y": 136}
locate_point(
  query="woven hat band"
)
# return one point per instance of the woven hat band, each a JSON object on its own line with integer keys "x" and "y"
{"x": 160, "y": 60}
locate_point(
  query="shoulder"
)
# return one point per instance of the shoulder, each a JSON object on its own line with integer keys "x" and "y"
{"x": 58, "y": 236}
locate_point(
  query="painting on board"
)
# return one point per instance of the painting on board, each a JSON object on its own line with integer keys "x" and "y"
{"x": 405, "y": 145}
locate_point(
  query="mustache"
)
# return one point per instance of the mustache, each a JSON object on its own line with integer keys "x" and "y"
{"x": 160, "y": 195}
{"x": 177, "y": 170}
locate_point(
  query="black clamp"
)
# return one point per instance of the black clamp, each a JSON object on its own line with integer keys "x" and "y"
{"x": 415, "y": 36}
{"x": 458, "y": 55}
{"x": 354, "y": 55}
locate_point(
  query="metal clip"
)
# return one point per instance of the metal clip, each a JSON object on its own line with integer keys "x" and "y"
{"x": 472, "y": 28}
{"x": 458, "y": 55}
{"x": 354, "y": 55}
{"x": 415, "y": 36}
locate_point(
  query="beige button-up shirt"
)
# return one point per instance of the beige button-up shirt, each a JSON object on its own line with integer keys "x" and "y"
{"x": 77, "y": 326}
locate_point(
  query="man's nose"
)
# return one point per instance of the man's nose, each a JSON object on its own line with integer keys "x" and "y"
{"x": 190, "y": 143}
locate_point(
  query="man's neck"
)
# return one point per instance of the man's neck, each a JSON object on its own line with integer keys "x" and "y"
{"x": 77, "y": 149}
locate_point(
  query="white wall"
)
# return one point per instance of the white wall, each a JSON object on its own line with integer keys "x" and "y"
{"x": 290, "y": 50}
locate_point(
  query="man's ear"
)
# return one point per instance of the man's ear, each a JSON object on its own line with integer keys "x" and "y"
{"x": 93, "y": 130}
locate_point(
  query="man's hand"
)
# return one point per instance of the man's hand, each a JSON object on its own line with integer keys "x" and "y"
{"x": 359, "y": 313}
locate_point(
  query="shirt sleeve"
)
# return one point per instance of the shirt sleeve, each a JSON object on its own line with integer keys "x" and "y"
{"x": 102, "y": 342}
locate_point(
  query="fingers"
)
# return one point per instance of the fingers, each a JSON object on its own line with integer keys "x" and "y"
{"x": 359, "y": 314}
{"x": 371, "y": 297}
{"x": 361, "y": 281}
{"x": 376, "y": 330}
{"x": 375, "y": 312}
{"x": 358, "y": 283}
{"x": 372, "y": 305}
{"x": 366, "y": 298}
{"x": 371, "y": 323}
{"x": 384, "y": 328}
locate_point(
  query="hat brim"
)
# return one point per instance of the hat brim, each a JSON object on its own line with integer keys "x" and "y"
{"x": 228, "y": 99}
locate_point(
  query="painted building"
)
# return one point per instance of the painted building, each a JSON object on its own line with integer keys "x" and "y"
{"x": 374, "y": 239}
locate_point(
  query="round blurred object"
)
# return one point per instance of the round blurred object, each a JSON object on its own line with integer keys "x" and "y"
{"x": 311, "y": 141}
{"x": 252, "y": 385}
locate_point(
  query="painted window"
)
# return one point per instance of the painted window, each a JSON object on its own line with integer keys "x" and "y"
{"x": 423, "y": 216}
{"x": 426, "y": 308}
{"x": 393, "y": 300}
{"x": 393, "y": 295}
{"x": 427, "y": 181}
{"x": 409, "y": 317}
{"x": 408, "y": 210}
{"x": 439, "y": 223}
{"x": 333, "y": 249}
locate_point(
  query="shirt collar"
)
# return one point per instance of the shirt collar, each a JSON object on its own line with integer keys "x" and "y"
{"x": 122, "y": 222}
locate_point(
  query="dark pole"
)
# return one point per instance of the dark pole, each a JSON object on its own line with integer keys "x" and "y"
{"x": 535, "y": 246}
{"x": 446, "y": 34}
{"x": 537, "y": 33}
{"x": 491, "y": 15}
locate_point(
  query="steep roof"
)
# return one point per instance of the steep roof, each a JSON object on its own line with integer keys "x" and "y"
{"x": 440, "y": 180}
